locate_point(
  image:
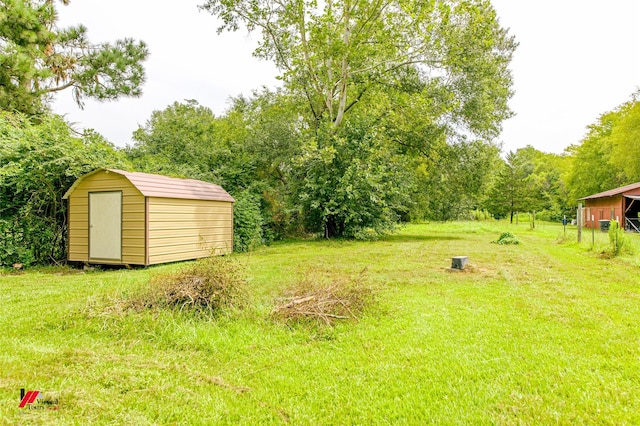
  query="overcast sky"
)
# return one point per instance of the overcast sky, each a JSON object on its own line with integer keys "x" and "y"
{"x": 577, "y": 59}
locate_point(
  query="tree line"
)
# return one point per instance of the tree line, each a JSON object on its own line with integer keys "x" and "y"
{"x": 252, "y": 150}
{"x": 388, "y": 113}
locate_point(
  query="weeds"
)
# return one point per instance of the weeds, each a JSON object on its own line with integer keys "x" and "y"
{"x": 617, "y": 240}
{"x": 507, "y": 238}
{"x": 480, "y": 215}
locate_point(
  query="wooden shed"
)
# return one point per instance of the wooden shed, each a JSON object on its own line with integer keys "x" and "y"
{"x": 621, "y": 203}
{"x": 130, "y": 218}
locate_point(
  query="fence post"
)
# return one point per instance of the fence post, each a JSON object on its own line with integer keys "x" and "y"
{"x": 579, "y": 221}
{"x": 533, "y": 220}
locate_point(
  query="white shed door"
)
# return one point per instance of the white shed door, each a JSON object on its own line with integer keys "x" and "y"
{"x": 105, "y": 225}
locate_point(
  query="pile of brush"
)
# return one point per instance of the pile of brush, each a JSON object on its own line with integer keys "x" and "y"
{"x": 207, "y": 286}
{"x": 324, "y": 299}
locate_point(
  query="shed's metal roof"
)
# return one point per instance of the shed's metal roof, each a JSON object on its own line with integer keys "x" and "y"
{"x": 151, "y": 185}
{"x": 612, "y": 192}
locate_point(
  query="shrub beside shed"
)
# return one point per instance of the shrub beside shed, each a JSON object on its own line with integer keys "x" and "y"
{"x": 131, "y": 218}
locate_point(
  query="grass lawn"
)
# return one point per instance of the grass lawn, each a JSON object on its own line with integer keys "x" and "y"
{"x": 537, "y": 333}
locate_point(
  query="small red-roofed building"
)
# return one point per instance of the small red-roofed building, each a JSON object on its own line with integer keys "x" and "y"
{"x": 621, "y": 204}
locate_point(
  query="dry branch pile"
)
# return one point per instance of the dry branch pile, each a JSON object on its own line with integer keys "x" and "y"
{"x": 324, "y": 299}
{"x": 207, "y": 285}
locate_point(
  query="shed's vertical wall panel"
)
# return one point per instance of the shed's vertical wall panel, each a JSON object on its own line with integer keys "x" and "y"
{"x": 133, "y": 217}
{"x": 181, "y": 229}
{"x": 78, "y": 249}
{"x": 600, "y": 209}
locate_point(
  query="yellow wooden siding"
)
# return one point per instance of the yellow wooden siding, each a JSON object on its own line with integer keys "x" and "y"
{"x": 158, "y": 202}
{"x": 188, "y": 229}
{"x": 133, "y": 218}
{"x": 187, "y": 224}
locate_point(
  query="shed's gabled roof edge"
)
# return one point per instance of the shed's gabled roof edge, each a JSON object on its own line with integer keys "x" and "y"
{"x": 612, "y": 192}
{"x": 151, "y": 185}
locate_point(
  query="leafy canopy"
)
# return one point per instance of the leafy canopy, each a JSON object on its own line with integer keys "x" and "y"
{"x": 335, "y": 53}
{"x": 530, "y": 180}
{"x": 609, "y": 155}
{"x": 39, "y": 161}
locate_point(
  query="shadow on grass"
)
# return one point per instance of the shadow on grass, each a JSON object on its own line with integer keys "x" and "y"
{"x": 405, "y": 238}
{"x": 394, "y": 238}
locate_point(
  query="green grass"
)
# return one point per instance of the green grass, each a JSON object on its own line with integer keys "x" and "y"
{"x": 539, "y": 333}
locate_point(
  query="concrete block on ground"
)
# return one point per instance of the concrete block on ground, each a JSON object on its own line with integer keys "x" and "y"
{"x": 459, "y": 262}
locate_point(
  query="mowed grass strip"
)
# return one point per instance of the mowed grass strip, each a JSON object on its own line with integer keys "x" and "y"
{"x": 536, "y": 333}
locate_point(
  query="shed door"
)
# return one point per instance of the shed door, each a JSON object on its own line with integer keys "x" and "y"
{"x": 105, "y": 225}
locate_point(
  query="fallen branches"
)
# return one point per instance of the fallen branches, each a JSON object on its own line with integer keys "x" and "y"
{"x": 324, "y": 299}
{"x": 208, "y": 286}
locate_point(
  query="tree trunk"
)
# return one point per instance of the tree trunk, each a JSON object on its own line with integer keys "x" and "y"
{"x": 332, "y": 227}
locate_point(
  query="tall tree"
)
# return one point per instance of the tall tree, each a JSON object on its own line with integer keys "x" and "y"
{"x": 247, "y": 150}
{"x": 336, "y": 52}
{"x": 530, "y": 180}
{"x": 549, "y": 183}
{"x": 38, "y": 59}
{"x": 454, "y": 183}
{"x": 511, "y": 191}
{"x": 357, "y": 186}
{"x": 625, "y": 140}
{"x": 441, "y": 63}
{"x": 179, "y": 140}
{"x": 609, "y": 154}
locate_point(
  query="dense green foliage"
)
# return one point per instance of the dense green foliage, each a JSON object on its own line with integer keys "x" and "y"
{"x": 247, "y": 223}
{"x": 180, "y": 140}
{"x": 234, "y": 151}
{"x": 365, "y": 182}
{"x": 529, "y": 180}
{"x": 507, "y": 238}
{"x": 38, "y": 59}
{"x": 609, "y": 156}
{"x": 453, "y": 180}
{"x": 38, "y": 163}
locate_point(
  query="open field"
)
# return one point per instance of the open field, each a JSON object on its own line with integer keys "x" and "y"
{"x": 537, "y": 333}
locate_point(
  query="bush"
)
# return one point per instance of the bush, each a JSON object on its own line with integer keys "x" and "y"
{"x": 12, "y": 247}
{"x": 206, "y": 286}
{"x": 38, "y": 162}
{"x": 545, "y": 215}
{"x": 507, "y": 238}
{"x": 323, "y": 300}
{"x": 366, "y": 234}
{"x": 480, "y": 215}
{"x": 247, "y": 222}
{"x": 617, "y": 239}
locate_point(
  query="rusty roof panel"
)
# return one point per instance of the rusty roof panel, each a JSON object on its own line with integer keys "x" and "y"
{"x": 612, "y": 192}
